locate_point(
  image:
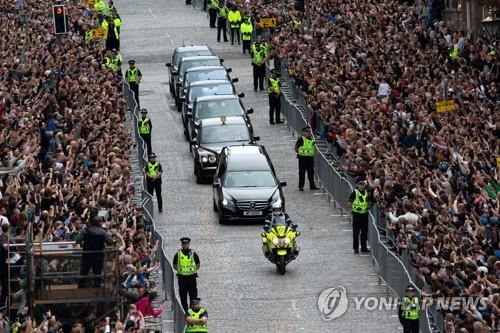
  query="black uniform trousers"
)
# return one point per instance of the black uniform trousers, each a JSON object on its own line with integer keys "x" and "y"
{"x": 188, "y": 2}
{"x": 411, "y": 326}
{"x": 274, "y": 108}
{"x": 246, "y": 46}
{"x": 4, "y": 277}
{"x": 221, "y": 26}
{"x": 259, "y": 74}
{"x": 92, "y": 261}
{"x": 205, "y": 5}
{"x": 235, "y": 33}
{"x": 155, "y": 186}
{"x": 147, "y": 141}
{"x": 213, "y": 16}
{"x": 359, "y": 230}
{"x": 112, "y": 42}
{"x": 187, "y": 285}
{"x": 306, "y": 164}
{"x": 135, "y": 89}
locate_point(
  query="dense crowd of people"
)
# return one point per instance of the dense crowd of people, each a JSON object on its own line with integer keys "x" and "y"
{"x": 373, "y": 71}
{"x": 64, "y": 161}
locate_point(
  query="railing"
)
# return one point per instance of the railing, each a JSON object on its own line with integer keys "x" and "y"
{"x": 56, "y": 276}
{"x": 394, "y": 269}
{"x": 168, "y": 275}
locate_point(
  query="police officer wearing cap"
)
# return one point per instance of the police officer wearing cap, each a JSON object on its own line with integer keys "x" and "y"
{"x": 133, "y": 76}
{"x": 153, "y": 171}
{"x": 186, "y": 262}
{"x": 361, "y": 201}
{"x": 145, "y": 128}
{"x": 409, "y": 311}
{"x": 196, "y": 318}
{"x": 305, "y": 147}
{"x": 274, "y": 91}
{"x": 258, "y": 52}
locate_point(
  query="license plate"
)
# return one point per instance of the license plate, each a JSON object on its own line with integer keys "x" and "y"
{"x": 253, "y": 213}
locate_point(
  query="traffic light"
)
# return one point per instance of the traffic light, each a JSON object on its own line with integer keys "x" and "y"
{"x": 60, "y": 26}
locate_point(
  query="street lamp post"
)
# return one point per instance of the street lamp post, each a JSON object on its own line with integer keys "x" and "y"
{"x": 491, "y": 23}
{"x": 459, "y": 11}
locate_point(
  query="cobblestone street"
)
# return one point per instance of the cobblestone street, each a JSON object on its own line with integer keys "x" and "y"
{"x": 238, "y": 286}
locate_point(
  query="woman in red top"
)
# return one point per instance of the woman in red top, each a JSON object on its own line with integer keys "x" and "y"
{"x": 145, "y": 306}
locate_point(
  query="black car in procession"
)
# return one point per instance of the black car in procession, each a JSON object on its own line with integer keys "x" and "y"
{"x": 245, "y": 184}
{"x": 213, "y": 135}
{"x": 204, "y": 73}
{"x": 182, "y": 52}
{"x": 191, "y": 62}
{"x": 213, "y": 105}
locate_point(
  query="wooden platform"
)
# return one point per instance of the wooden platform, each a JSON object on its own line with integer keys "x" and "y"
{"x": 71, "y": 293}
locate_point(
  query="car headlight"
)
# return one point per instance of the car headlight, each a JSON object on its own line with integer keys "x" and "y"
{"x": 226, "y": 202}
{"x": 204, "y": 159}
{"x": 287, "y": 240}
{"x": 212, "y": 159}
{"x": 275, "y": 241}
{"x": 277, "y": 200}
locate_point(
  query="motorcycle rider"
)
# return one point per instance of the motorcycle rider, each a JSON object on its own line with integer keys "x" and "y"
{"x": 277, "y": 212}
{"x": 276, "y": 215}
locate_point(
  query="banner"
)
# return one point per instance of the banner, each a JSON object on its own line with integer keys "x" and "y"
{"x": 99, "y": 33}
{"x": 268, "y": 22}
{"x": 446, "y": 106}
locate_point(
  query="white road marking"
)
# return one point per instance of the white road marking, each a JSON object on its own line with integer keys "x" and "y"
{"x": 151, "y": 12}
{"x": 294, "y": 307}
{"x": 170, "y": 38}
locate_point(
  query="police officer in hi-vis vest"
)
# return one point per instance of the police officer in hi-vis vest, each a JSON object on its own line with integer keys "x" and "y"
{"x": 305, "y": 147}
{"x": 274, "y": 91}
{"x": 186, "y": 263}
{"x": 133, "y": 76}
{"x": 409, "y": 311}
{"x": 153, "y": 172}
{"x": 246, "y": 29}
{"x": 222, "y": 13}
{"x": 213, "y": 8}
{"x": 361, "y": 201}
{"x": 196, "y": 318}
{"x": 234, "y": 18}
{"x": 145, "y": 128}
{"x": 258, "y": 51}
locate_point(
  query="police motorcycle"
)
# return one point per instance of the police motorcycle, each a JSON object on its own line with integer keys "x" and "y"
{"x": 279, "y": 239}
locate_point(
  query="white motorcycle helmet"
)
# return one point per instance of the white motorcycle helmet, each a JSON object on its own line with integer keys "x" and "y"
{"x": 277, "y": 209}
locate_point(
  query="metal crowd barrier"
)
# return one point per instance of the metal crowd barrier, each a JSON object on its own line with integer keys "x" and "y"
{"x": 395, "y": 272}
{"x": 168, "y": 275}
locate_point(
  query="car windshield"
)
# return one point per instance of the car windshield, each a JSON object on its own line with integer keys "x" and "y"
{"x": 249, "y": 179}
{"x": 209, "y": 90}
{"x": 179, "y": 56}
{"x": 214, "y": 74}
{"x": 214, "y": 109}
{"x": 224, "y": 133}
{"x": 196, "y": 63}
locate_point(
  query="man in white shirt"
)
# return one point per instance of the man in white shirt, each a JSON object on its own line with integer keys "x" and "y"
{"x": 384, "y": 89}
